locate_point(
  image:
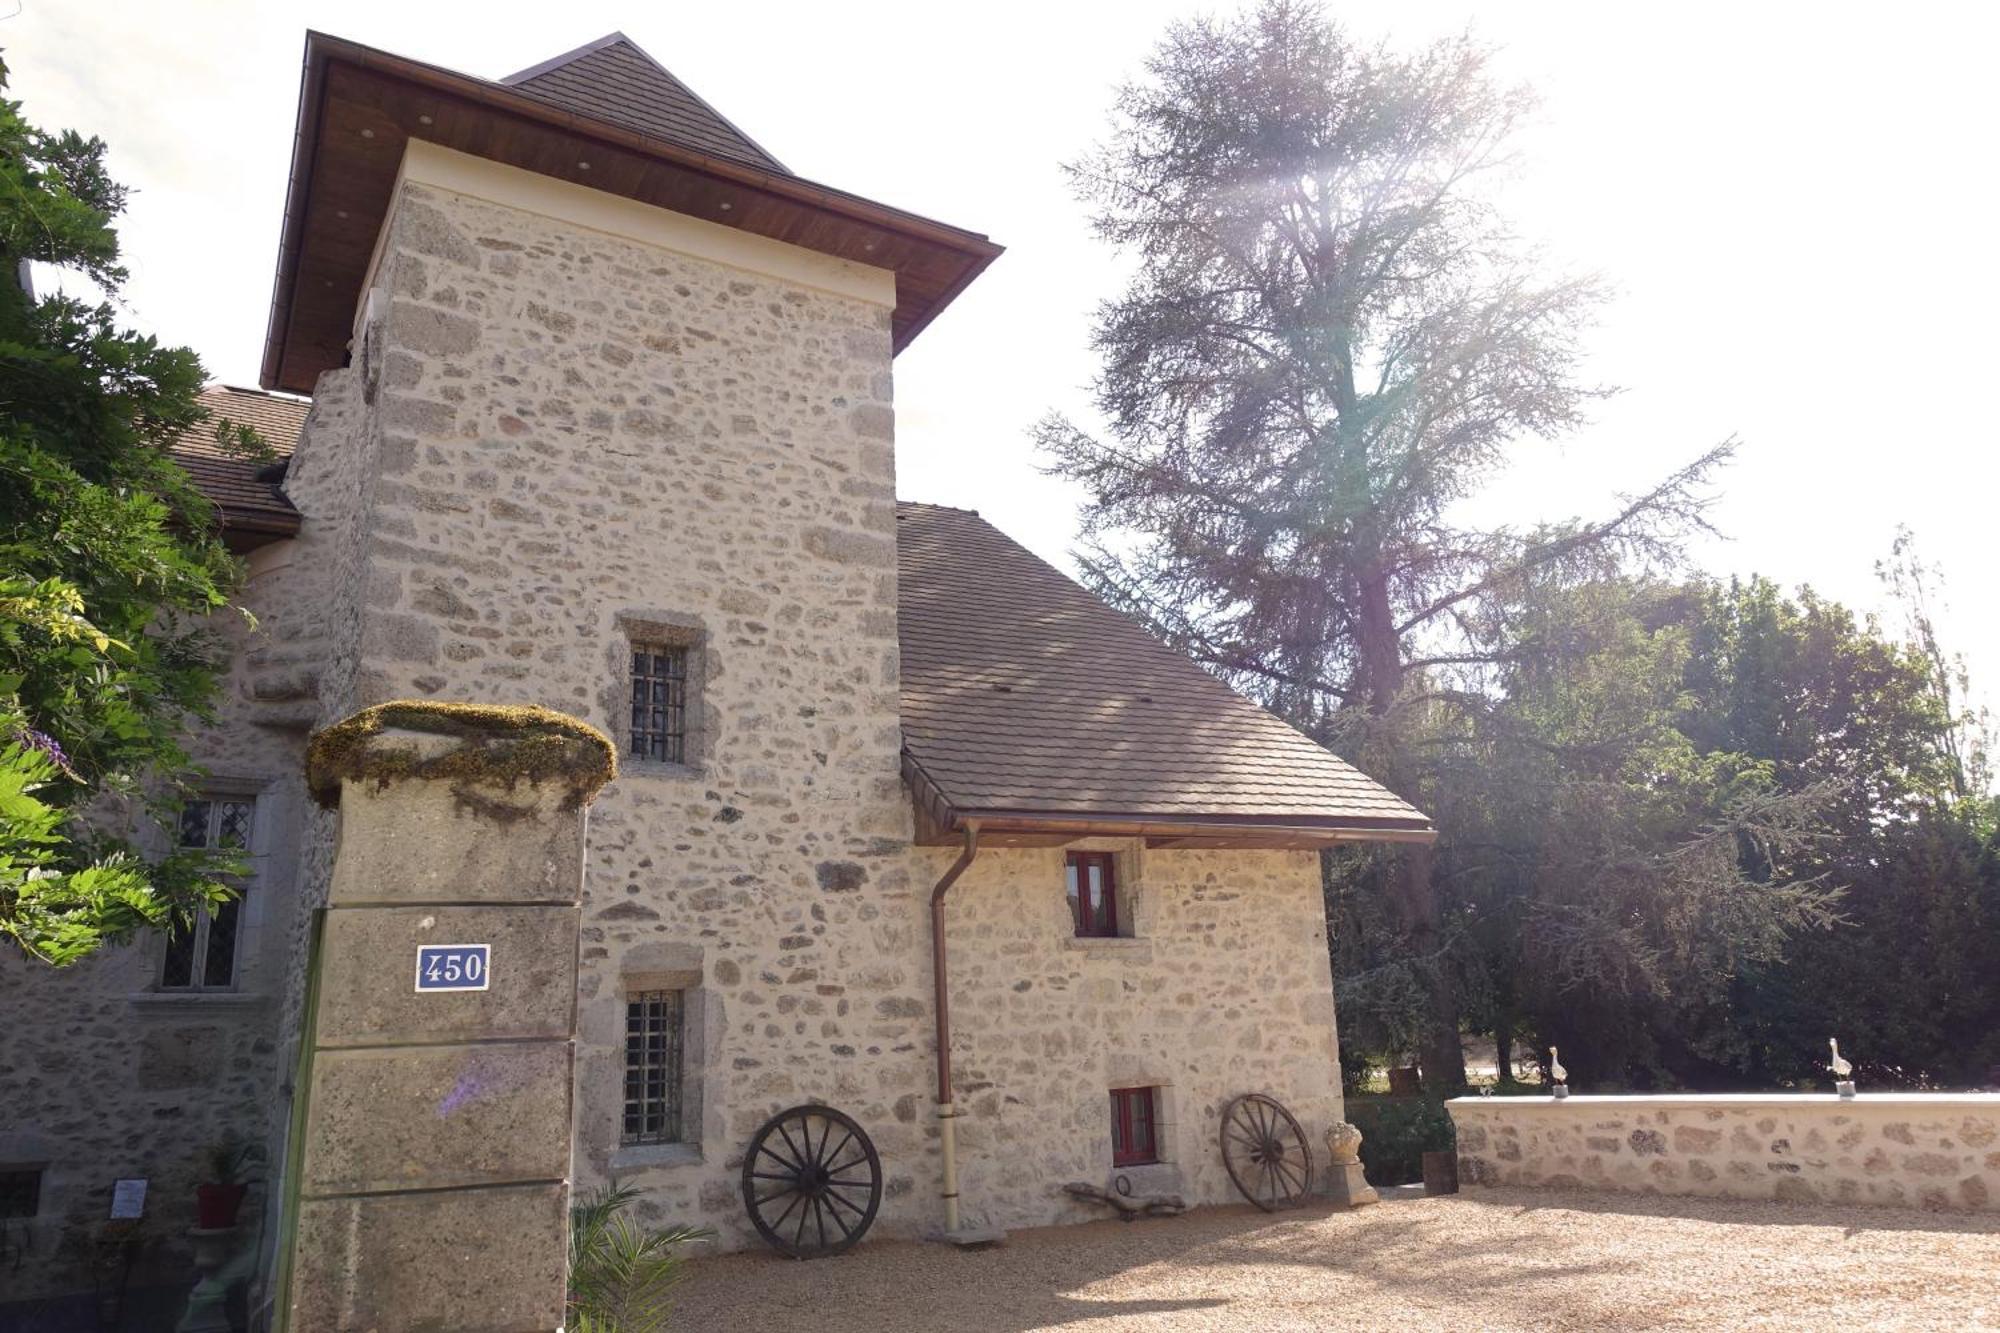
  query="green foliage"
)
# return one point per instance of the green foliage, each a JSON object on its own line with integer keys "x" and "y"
{"x": 1396, "y": 1132}
{"x": 108, "y": 567}
{"x": 1331, "y": 338}
{"x": 1692, "y": 830}
{"x": 621, "y": 1274}
{"x": 231, "y": 1158}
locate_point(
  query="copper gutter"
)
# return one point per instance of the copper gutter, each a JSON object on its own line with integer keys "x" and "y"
{"x": 946, "y": 1112}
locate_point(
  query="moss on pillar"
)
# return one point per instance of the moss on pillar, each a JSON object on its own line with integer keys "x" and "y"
{"x": 498, "y": 746}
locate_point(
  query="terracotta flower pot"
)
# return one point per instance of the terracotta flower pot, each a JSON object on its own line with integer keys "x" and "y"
{"x": 216, "y": 1206}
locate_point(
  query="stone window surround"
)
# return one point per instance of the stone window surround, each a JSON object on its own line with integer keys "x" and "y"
{"x": 1135, "y": 917}
{"x": 1158, "y": 1177}
{"x": 671, "y": 629}
{"x": 255, "y": 915}
{"x": 694, "y": 1054}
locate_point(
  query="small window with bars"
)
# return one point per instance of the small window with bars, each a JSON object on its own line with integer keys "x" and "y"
{"x": 20, "y": 1191}
{"x": 654, "y": 1022}
{"x": 202, "y": 954}
{"x": 659, "y": 702}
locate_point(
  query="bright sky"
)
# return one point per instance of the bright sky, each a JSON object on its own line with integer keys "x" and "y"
{"x": 1790, "y": 199}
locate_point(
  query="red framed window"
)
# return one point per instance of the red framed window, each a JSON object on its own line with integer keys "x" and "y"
{"x": 1135, "y": 1139}
{"x": 1093, "y": 893}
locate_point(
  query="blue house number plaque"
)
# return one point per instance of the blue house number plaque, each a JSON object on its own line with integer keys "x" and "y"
{"x": 442, "y": 967}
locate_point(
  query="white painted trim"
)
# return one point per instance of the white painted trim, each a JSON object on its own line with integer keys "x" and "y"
{"x": 575, "y": 205}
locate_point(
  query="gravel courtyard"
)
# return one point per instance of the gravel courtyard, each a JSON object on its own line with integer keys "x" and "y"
{"x": 1493, "y": 1259}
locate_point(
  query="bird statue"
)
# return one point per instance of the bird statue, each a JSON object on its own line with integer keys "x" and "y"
{"x": 1844, "y": 1085}
{"x": 1559, "y": 1074}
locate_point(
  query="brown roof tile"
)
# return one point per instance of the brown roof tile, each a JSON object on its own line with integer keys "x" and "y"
{"x": 247, "y": 503}
{"x": 1022, "y": 692}
{"x": 611, "y": 79}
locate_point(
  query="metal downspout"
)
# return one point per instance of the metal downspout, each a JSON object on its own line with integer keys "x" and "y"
{"x": 947, "y": 1113}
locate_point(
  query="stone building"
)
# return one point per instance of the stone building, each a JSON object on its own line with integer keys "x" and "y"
{"x": 586, "y": 401}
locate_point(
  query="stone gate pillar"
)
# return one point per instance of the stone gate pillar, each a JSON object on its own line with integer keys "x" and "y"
{"x": 433, "y": 1156}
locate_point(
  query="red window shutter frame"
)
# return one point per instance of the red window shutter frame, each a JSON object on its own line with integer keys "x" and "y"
{"x": 1134, "y": 1127}
{"x": 1094, "y": 913}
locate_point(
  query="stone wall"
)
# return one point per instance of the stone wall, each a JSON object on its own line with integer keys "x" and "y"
{"x": 583, "y": 440}
{"x": 580, "y": 438}
{"x": 105, "y": 1076}
{"x": 1223, "y": 988}
{"x": 555, "y": 438}
{"x": 1929, "y": 1150}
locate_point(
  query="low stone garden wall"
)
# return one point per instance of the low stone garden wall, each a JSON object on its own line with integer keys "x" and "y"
{"x": 1928, "y": 1150}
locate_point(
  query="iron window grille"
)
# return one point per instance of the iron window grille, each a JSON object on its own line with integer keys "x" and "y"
{"x": 1093, "y": 894}
{"x": 1135, "y": 1139}
{"x": 653, "y": 1043}
{"x": 20, "y": 1192}
{"x": 202, "y": 954}
{"x": 659, "y": 702}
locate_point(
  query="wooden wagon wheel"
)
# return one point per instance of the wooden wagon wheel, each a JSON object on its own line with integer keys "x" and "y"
{"x": 812, "y": 1182}
{"x": 1266, "y": 1152}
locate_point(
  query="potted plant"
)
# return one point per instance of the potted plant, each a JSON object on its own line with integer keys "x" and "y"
{"x": 219, "y": 1200}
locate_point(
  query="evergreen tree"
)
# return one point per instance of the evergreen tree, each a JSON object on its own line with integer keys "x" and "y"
{"x": 1331, "y": 340}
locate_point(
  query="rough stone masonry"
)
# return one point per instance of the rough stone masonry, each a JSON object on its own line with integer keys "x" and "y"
{"x": 1939, "y": 1151}
{"x": 553, "y": 442}
{"x": 576, "y": 441}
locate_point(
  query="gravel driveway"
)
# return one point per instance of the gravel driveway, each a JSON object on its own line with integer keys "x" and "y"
{"x": 1494, "y": 1259}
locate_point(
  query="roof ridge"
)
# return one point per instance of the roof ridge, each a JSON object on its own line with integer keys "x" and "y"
{"x": 611, "y": 38}
{"x": 618, "y": 38}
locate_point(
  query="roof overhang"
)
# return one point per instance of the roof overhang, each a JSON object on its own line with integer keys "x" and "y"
{"x": 358, "y": 106}
{"x": 941, "y": 823}
{"x": 244, "y": 532}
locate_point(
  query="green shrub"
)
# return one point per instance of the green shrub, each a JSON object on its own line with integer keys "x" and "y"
{"x": 619, "y": 1272}
{"x": 1396, "y": 1132}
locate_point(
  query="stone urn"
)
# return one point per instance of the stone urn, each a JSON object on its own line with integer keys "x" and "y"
{"x": 1343, "y": 1144}
{"x": 1345, "y": 1182}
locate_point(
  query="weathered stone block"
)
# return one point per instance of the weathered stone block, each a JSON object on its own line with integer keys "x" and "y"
{"x": 434, "y": 842}
{"x": 431, "y": 331}
{"x": 368, "y": 989}
{"x": 179, "y": 1058}
{"x": 1692, "y": 1141}
{"x": 399, "y": 638}
{"x": 482, "y": 1261}
{"x": 849, "y": 548}
{"x": 436, "y": 1116}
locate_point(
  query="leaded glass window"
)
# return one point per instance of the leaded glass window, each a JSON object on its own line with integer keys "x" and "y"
{"x": 202, "y": 955}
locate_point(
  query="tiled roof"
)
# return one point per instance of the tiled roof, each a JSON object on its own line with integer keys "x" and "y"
{"x": 247, "y": 503}
{"x": 1023, "y": 692}
{"x": 613, "y": 80}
